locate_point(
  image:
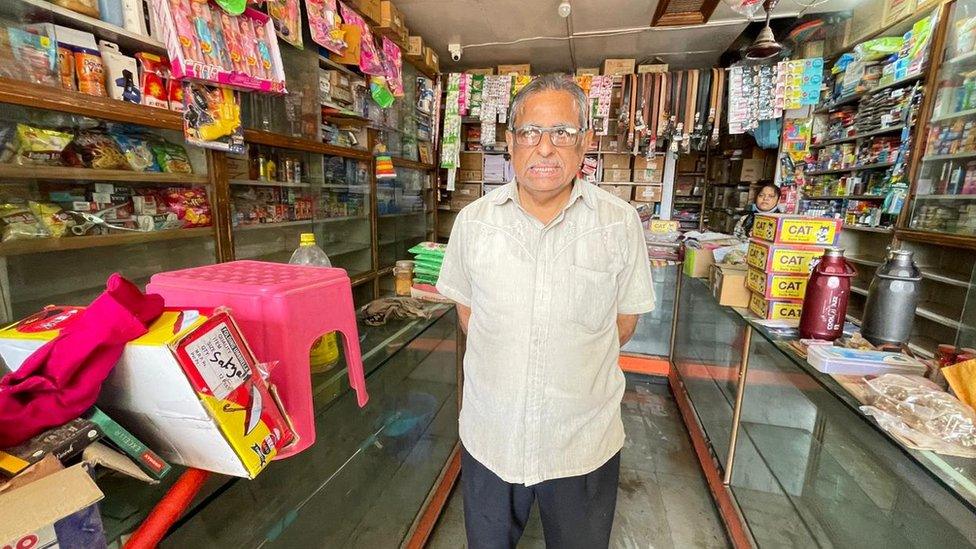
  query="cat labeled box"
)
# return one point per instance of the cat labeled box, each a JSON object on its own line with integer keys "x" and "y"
{"x": 781, "y": 258}
{"x": 773, "y": 309}
{"x": 796, "y": 229}
{"x": 776, "y": 285}
{"x": 189, "y": 388}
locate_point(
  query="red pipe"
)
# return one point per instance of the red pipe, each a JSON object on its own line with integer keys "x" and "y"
{"x": 168, "y": 510}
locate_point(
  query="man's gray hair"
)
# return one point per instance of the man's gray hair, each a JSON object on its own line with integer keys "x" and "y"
{"x": 551, "y": 82}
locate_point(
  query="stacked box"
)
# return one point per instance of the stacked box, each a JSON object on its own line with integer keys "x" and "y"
{"x": 782, "y": 252}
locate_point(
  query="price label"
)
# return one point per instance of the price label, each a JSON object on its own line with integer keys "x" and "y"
{"x": 219, "y": 360}
{"x": 41, "y": 539}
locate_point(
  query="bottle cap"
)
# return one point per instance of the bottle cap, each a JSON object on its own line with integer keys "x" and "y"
{"x": 834, "y": 252}
{"x": 308, "y": 239}
{"x": 404, "y": 264}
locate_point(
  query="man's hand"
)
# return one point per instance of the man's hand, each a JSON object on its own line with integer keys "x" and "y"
{"x": 464, "y": 313}
{"x": 626, "y": 324}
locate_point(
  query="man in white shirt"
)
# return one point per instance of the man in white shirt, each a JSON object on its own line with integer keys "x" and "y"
{"x": 549, "y": 275}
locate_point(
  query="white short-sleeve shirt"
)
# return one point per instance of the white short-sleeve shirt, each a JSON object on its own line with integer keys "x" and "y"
{"x": 542, "y": 384}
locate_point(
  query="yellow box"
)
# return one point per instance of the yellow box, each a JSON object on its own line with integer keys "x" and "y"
{"x": 796, "y": 229}
{"x": 777, "y": 286}
{"x": 775, "y": 310}
{"x": 772, "y": 258}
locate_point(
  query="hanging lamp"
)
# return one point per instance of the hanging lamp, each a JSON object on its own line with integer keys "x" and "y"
{"x": 765, "y": 45}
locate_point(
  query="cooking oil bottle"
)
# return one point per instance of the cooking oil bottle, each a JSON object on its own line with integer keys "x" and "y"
{"x": 325, "y": 351}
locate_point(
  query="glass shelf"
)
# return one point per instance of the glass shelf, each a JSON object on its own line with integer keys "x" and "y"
{"x": 947, "y": 175}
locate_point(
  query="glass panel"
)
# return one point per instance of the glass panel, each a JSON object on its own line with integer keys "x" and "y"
{"x": 652, "y": 336}
{"x": 945, "y": 195}
{"x": 402, "y": 222}
{"x": 77, "y": 208}
{"x": 277, "y": 194}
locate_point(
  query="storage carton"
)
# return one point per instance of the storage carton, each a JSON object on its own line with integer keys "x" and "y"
{"x": 392, "y": 23}
{"x": 687, "y": 163}
{"x": 728, "y": 285}
{"x": 619, "y": 161}
{"x": 658, "y": 67}
{"x": 895, "y": 10}
{"x": 866, "y": 19}
{"x": 466, "y": 175}
{"x": 749, "y": 170}
{"x": 777, "y": 286}
{"x": 647, "y": 193}
{"x": 610, "y": 143}
{"x": 467, "y": 191}
{"x": 698, "y": 262}
{"x": 488, "y": 71}
{"x": 616, "y": 175}
{"x": 371, "y": 9}
{"x": 523, "y": 69}
{"x": 415, "y": 48}
{"x": 431, "y": 60}
{"x": 188, "y": 388}
{"x": 655, "y": 163}
{"x": 471, "y": 161}
{"x": 775, "y": 309}
{"x": 588, "y": 71}
{"x": 622, "y": 192}
{"x": 779, "y": 258}
{"x": 648, "y": 176}
{"x": 619, "y": 66}
{"x": 796, "y": 229}
{"x": 458, "y": 204}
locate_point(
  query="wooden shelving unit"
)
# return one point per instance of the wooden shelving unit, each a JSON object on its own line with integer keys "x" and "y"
{"x": 121, "y": 238}
{"x": 56, "y": 173}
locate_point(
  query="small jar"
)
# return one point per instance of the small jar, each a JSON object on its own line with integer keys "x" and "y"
{"x": 403, "y": 277}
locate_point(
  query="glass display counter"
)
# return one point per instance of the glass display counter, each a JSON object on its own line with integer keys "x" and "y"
{"x": 808, "y": 469}
{"x": 402, "y": 220}
{"x": 364, "y": 481}
{"x": 651, "y": 336}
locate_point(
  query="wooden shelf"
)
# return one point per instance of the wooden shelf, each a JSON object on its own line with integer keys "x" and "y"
{"x": 303, "y": 222}
{"x": 944, "y": 277}
{"x": 42, "y": 11}
{"x": 885, "y": 230}
{"x": 938, "y": 313}
{"x": 409, "y": 214}
{"x": 943, "y": 239}
{"x": 955, "y": 156}
{"x": 259, "y": 183}
{"x": 13, "y": 171}
{"x": 38, "y": 96}
{"x": 863, "y": 260}
{"x": 895, "y": 83}
{"x": 952, "y": 115}
{"x": 845, "y": 197}
{"x": 961, "y": 58}
{"x": 259, "y": 137}
{"x": 856, "y": 96}
{"x": 855, "y": 137}
{"x": 858, "y": 290}
{"x": 854, "y": 168}
{"x": 407, "y": 163}
{"x": 40, "y": 245}
{"x": 945, "y": 197}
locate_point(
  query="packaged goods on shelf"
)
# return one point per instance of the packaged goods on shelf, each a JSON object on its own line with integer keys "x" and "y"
{"x": 772, "y": 309}
{"x": 623, "y": 192}
{"x": 830, "y": 359}
{"x": 775, "y": 285}
{"x": 796, "y": 229}
{"x": 779, "y": 258}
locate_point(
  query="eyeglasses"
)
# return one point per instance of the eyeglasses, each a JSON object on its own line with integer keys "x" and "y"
{"x": 560, "y": 136}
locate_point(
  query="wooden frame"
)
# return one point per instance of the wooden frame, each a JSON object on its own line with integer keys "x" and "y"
{"x": 663, "y": 19}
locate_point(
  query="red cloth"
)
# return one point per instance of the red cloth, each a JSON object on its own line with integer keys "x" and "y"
{"x": 61, "y": 380}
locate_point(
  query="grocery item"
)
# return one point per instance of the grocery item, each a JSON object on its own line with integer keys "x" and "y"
{"x": 66, "y": 68}
{"x": 776, "y": 286}
{"x": 889, "y": 312}
{"x": 172, "y": 158}
{"x": 137, "y": 150}
{"x": 94, "y": 149}
{"x": 773, "y": 309}
{"x": 779, "y": 258}
{"x": 121, "y": 74}
{"x": 36, "y": 56}
{"x": 324, "y": 354}
{"x": 825, "y": 300}
{"x": 90, "y": 72}
{"x": 796, "y": 229}
{"x": 86, "y": 7}
{"x": 111, "y": 11}
{"x": 54, "y": 219}
{"x": 34, "y": 145}
{"x": 831, "y": 359}
{"x": 191, "y": 205}
{"x": 403, "y": 277}
{"x": 19, "y": 222}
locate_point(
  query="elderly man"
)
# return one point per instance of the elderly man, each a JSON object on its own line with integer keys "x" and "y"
{"x": 549, "y": 274}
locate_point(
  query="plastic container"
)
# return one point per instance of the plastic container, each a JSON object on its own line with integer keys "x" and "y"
{"x": 859, "y": 362}
{"x": 403, "y": 277}
{"x": 325, "y": 351}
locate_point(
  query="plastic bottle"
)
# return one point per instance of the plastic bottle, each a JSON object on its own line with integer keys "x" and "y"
{"x": 825, "y": 303}
{"x": 325, "y": 351}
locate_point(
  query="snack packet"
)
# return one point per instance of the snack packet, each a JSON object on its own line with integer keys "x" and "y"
{"x": 369, "y": 57}
{"x": 171, "y": 158}
{"x": 39, "y": 146}
{"x": 91, "y": 72}
{"x": 66, "y": 68}
{"x": 191, "y": 205}
{"x": 19, "y": 223}
{"x": 54, "y": 219}
{"x": 137, "y": 151}
{"x": 94, "y": 149}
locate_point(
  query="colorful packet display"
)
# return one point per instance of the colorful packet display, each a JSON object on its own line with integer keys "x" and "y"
{"x": 326, "y": 25}
{"x": 393, "y": 61}
{"x": 287, "y": 16}
{"x": 369, "y": 57}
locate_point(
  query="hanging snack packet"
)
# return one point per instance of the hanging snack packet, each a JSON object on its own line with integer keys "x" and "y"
{"x": 19, "y": 223}
{"x": 171, "y": 158}
{"x": 90, "y": 71}
{"x": 393, "y": 62}
{"x": 380, "y": 91}
{"x": 39, "y": 146}
{"x": 190, "y": 205}
{"x": 54, "y": 219}
{"x": 326, "y": 25}
{"x": 94, "y": 149}
{"x": 369, "y": 56}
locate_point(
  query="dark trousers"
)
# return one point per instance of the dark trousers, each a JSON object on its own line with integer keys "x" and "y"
{"x": 576, "y": 511}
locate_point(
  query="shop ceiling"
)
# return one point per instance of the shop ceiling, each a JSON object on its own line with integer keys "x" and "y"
{"x": 509, "y": 25}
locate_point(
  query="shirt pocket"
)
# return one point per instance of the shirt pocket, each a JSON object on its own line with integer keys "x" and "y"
{"x": 593, "y": 294}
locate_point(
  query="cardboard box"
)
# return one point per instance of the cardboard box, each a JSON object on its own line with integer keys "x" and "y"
{"x": 622, "y": 192}
{"x": 392, "y": 23}
{"x": 687, "y": 163}
{"x": 467, "y": 191}
{"x": 609, "y": 143}
{"x": 431, "y": 60}
{"x": 775, "y": 309}
{"x": 796, "y": 229}
{"x": 659, "y": 67}
{"x": 728, "y": 285}
{"x": 777, "y": 286}
{"x": 654, "y": 163}
{"x": 371, "y": 9}
{"x": 698, "y": 262}
{"x": 188, "y": 388}
{"x": 523, "y": 69}
{"x": 895, "y": 10}
{"x": 458, "y": 204}
{"x": 647, "y": 193}
{"x": 779, "y": 258}
{"x": 471, "y": 161}
{"x": 488, "y": 71}
{"x": 31, "y": 503}
{"x": 415, "y": 48}
{"x": 750, "y": 170}
{"x": 648, "y": 176}
{"x": 588, "y": 71}
{"x": 616, "y": 175}
{"x": 469, "y": 175}
{"x": 618, "y": 161}
{"x": 619, "y": 66}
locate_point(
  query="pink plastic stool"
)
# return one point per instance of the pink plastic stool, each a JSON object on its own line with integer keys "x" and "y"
{"x": 282, "y": 309}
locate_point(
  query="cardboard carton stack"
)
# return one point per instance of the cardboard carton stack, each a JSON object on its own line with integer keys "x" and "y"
{"x": 781, "y": 254}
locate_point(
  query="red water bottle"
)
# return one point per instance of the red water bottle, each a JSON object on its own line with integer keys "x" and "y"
{"x": 825, "y": 303}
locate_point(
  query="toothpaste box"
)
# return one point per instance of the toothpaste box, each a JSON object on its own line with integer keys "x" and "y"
{"x": 782, "y": 258}
{"x": 189, "y": 388}
{"x": 773, "y": 309}
{"x": 796, "y": 229}
{"x": 775, "y": 285}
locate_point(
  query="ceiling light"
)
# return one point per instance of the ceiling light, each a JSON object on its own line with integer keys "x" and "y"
{"x": 765, "y": 45}
{"x": 564, "y": 9}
